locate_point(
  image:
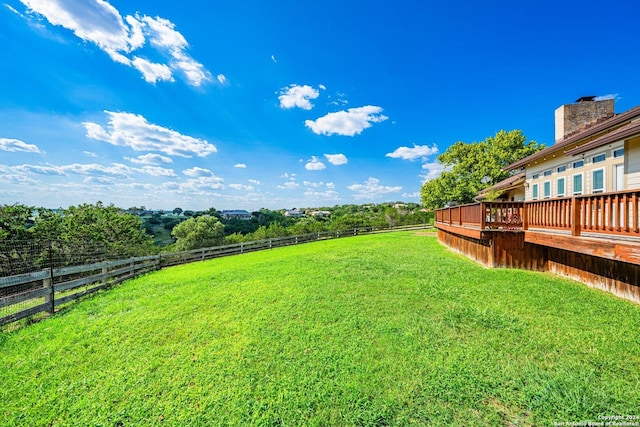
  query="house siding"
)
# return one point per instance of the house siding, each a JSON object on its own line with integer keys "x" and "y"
{"x": 632, "y": 156}
{"x": 632, "y": 163}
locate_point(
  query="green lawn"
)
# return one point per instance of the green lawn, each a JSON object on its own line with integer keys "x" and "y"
{"x": 389, "y": 329}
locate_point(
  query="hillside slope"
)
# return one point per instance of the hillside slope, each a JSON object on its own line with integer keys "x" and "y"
{"x": 387, "y": 329}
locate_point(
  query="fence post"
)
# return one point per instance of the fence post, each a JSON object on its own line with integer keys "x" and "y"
{"x": 575, "y": 217}
{"x": 51, "y": 296}
{"x": 525, "y": 216}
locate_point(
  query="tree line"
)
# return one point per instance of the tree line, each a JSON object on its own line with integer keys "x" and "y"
{"x": 120, "y": 233}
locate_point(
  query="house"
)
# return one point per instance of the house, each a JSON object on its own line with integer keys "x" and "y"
{"x": 236, "y": 214}
{"x": 293, "y": 213}
{"x": 596, "y": 151}
{"x": 319, "y": 214}
{"x": 572, "y": 209}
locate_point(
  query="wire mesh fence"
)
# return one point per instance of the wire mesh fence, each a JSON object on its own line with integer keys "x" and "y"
{"x": 30, "y": 270}
{"x": 38, "y": 276}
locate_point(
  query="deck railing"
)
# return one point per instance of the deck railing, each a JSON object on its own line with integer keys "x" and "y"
{"x": 485, "y": 215}
{"x": 608, "y": 213}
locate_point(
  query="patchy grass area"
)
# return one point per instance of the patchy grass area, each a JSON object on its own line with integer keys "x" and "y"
{"x": 388, "y": 329}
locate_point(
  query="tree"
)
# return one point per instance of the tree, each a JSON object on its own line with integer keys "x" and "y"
{"x": 177, "y": 211}
{"x": 15, "y": 221}
{"x": 84, "y": 226}
{"x": 199, "y": 232}
{"x": 471, "y": 167}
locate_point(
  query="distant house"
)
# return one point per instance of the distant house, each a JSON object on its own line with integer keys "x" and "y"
{"x": 320, "y": 214}
{"x": 236, "y": 214}
{"x": 293, "y": 213}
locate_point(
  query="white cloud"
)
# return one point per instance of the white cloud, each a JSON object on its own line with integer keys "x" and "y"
{"x": 298, "y": 96}
{"x": 89, "y": 154}
{"x": 40, "y": 170}
{"x": 432, "y": 170}
{"x": 286, "y": 175}
{"x": 290, "y": 185}
{"x": 606, "y": 97}
{"x": 152, "y": 72}
{"x": 15, "y": 145}
{"x": 12, "y": 9}
{"x": 411, "y": 195}
{"x": 323, "y": 195}
{"x": 273, "y": 58}
{"x": 240, "y": 166}
{"x": 202, "y": 183}
{"x": 98, "y": 22}
{"x": 255, "y": 182}
{"x": 337, "y": 159}
{"x": 134, "y": 131}
{"x": 418, "y": 151}
{"x": 98, "y": 180}
{"x": 149, "y": 159}
{"x": 198, "y": 172}
{"x": 17, "y": 179}
{"x": 331, "y": 185}
{"x": 156, "y": 171}
{"x": 314, "y": 164}
{"x": 116, "y": 170}
{"x": 347, "y": 123}
{"x": 222, "y": 79}
{"x": 372, "y": 189}
{"x": 322, "y": 87}
{"x": 313, "y": 184}
{"x": 241, "y": 187}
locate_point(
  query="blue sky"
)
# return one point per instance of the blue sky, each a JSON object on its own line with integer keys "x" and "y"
{"x": 282, "y": 104}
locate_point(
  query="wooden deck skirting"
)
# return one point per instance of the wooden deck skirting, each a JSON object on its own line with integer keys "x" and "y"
{"x": 593, "y": 239}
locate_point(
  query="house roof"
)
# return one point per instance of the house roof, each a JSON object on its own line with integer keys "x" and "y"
{"x": 570, "y": 143}
{"x": 623, "y": 132}
{"x": 504, "y": 185}
{"x": 236, "y": 212}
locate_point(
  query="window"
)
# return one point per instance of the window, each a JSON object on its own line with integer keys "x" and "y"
{"x": 535, "y": 176}
{"x": 597, "y": 185}
{"x": 599, "y": 158}
{"x": 562, "y": 168}
{"x": 577, "y": 184}
{"x": 578, "y": 164}
{"x": 546, "y": 189}
{"x": 546, "y": 173}
{"x": 560, "y": 187}
{"x": 534, "y": 189}
{"x": 618, "y": 153}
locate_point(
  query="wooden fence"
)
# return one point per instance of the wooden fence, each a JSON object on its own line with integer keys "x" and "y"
{"x": 25, "y": 295}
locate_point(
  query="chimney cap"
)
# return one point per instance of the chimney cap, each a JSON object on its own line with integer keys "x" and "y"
{"x": 586, "y": 99}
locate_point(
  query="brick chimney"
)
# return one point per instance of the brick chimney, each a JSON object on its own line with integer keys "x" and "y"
{"x": 586, "y": 111}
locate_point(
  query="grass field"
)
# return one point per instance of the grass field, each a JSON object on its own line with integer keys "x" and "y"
{"x": 376, "y": 330}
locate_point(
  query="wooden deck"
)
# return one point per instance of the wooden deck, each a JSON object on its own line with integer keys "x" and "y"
{"x": 605, "y": 225}
{"x": 594, "y": 239}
